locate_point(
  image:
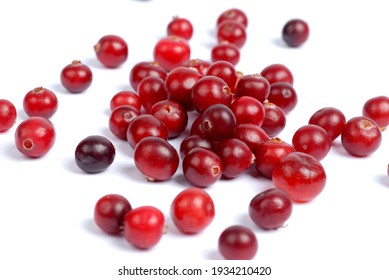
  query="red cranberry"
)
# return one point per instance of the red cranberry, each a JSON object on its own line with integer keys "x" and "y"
{"x": 40, "y": 102}
{"x": 233, "y": 32}
{"x": 193, "y": 141}
{"x": 8, "y": 114}
{"x": 377, "y": 108}
{"x": 35, "y": 136}
{"x": 253, "y": 85}
{"x": 76, "y": 77}
{"x": 331, "y": 119}
{"x": 180, "y": 27}
{"x": 192, "y": 210}
{"x": 233, "y": 14}
{"x": 251, "y": 134}
{"x": 295, "y": 32}
{"x": 144, "y": 69}
{"x": 283, "y": 95}
{"x": 226, "y": 51}
{"x": 224, "y": 70}
{"x": 218, "y": 122}
{"x": 247, "y": 109}
{"x": 199, "y": 64}
{"x": 120, "y": 118}
{"x": 275, "y": 119}
{"x": 125, "y": 97}
{"x": 151, "y": 90}
{"x": 111, "y": 50}
{"x": 277, "y": 73}
{"x": 171, "y": 52}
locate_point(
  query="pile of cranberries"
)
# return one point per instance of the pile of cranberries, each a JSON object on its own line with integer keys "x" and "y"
{"x": 227, "y": 121}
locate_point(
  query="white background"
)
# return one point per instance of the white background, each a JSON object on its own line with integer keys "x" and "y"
{"x": 46, "y": 205}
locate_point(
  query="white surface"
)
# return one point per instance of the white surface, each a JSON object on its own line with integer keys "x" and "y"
{"x": 46, "y": 205}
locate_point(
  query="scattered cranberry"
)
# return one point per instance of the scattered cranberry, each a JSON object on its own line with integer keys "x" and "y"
{"x": 251, "y": 134}
{"x": 180, "y": 27}
{"x": 247, "y": 109}
{"x": 275, "y": 119}
{"x": 270, "y": 209}
{"x": 361, "y": 136}
{"x": 8, "y": 115}
{"x": 171, "y": 52}
{"x": 40, "y": 102}
{"x": 377, "y": 108}
{"x": 111, "y": 50}
{"x": 238, "y": 243}
{"x": 193, "y": 141}
{"x": 125, "y": 97}
{"x": 233, "y": 32}
{"x": 295, "y": 32}
{"x": 192, "y": 210}
{"x": 110, "y": 211}
{"x": 120, "y": 118}
{"x": 226, "y": 51}
{"x": 253, "y": 85}
{"x": 283, "y": 95}
{"x": 331, "y": 119}
{"x": 218, "y": 122}
{"x": 200, "y": 65}
{"x": 277, "y": 73}
{"x": 233, "y": 14}
{"x": 150, "y": 91}
{"x": 76, "y": 77}
{"x": 144, "y": 69}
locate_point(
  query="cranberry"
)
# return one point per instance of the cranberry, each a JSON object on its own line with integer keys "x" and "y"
{"x": 111, "y": 50}
{"x": 251, "y": 134}
{"x": 269, "y": 153}
{"x": 76, "y": 77}
{"x": 192, "y": 210}
{"x": 300, "y": 175}
{"x": 253, "y": 85}
{"x": 271, "y": 208}
{"x": 277, "y": 73}
{"x": 233, "y": 32}
{"x": 283, "y": 95}
{"x": 197, "y": 128}
{"x": 295, "y": 32}
{"x": 361, "y": 136}
{"x": 233, "y": 14}
{"x": 144, "y": 226}
{"x": 331, "y": 119}
{"x": 247, "y": 109}
{"x": 40, "y": 102}
{"x": 110, "y": 211}
{"x": 200, "y": 65}
{"x": 120, "y": 118}
{"x": 171, "y": 52}
{"x": 312, "y": 139}
{"x": 172, "y": 114}
{"x": 193, "y": 141}
{"x": 94, "y": 154}
{"x": 155, "y": 158}
{"x": 8, "y": 114}
{"x": 143, "y": 126}
{"x": 275, "y": 119}
{"x": 226, "y": 51}
{"x": 218, "y": 122}
{"x": 151, "y": 90}
{"x": 202, "y": 167}
{"x": 125, "y": 97}
{"x": 180, "y": 27}
{"x": 377, "y": 108}
{"x": 224, "y": 70}
{"x": 35, "y": 136}
{"x": 238, "y": 243}
{"x": 144, "y": 69}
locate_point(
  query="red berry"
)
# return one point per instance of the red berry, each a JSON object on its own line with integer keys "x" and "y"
{"x": 226, "y": 51}
{"x": 233, "y": 14}
{"x": 253, "y": 85}
{"x": 295, "y": 32}
{"x": 377, "y": 108}
{"x": 8, "y": 115}
{"x": 247, "y": 109}
{"x": 251, "y": 134}
{"x": 125, "y": 97}
{"x": 171, "y": 52}
{"x": 331, "y": 119}
{"x": 111, "y": 51}
{"x": 150, "y": 91}
{"x": 35, "y": 136}
{"x": 283, "y": 95}
{"x": 144, "y": 69}
{"x": 192, "y": 210}
{"x": 40, "y": 102}
{"x": 193, "y": 141}
{"x": 180, "y": 27}
{"x": 218, "y": 122}
{"x": 275, "y": 119}
{"x": 277, "y": 73}
{"x": 76, "y": 77}
{"x": 197, "y": 128}
{"x": 120, "y": 118}
{"x": 199, "y": 64}
{"x": 233, "y": 32}
{"x": 224, "y": 70}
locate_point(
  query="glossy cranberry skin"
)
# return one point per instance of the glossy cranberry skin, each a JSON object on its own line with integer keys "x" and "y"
{"x": 150, "y": 91}
{"x": 109, "y": 213}
{"x": 218, "y": 122}
{"x": 40, "y": 102}
{"x": 268, "y": 154}
{"x": 331, "y": 119}
{"x": 300, "y": 175}
{"x": 232, "y": 32}
{"x": 238, "y": 243}
{"x": 76, "y": 77}
{"x": 111, "y": 50}
{"x": 173, "y": 115}
{"x": 193, "y": 141}
{"x": 225, "y": 51}
{"x": 197, "y": 128}
{"x": 192, "y": 210}
{"x": 125, "y": 97}
{"x": 120, "y": 118}
{"x": 377, "y": 108}
{"x": 312, "y": 139}
{"x": 253, "y": 85}
{"x": 277, "y": 73}
{"x": 275, "y": 119}
{"x": 180, "y": 27}
{"x": 156, "y": 159}
{"x": 35, "y": 136}
{"x": 224, "y": 70}
{"x": 251, "y": 134}
{"x": 144, "y": 226}
{"x": 8, "y": 114}
{"x": 202, "y": 167}
{"x": 143, "y": 126}
{"x": 208, "y": 91}
{"x": 248, "y": 109}
{"x": 233, "y": 14}
{"x": 295, "y": 32}
{"x": 144, "y": 69}
{"x": 171, "y": 52}
{"x": 361, "y": 136}
{"x": 94, "y": 154}
{"x": 200, "y": 65}
{"x": 271, "y": 208}
{"x": 283, "y": 95}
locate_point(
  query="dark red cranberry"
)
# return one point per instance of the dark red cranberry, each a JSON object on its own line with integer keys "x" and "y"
{"x": 247, "y": 109}
{"x": 40, "y": 102}
{"x": 331, "y": 119}
{"x": 200, "y": 65}
{"x": 295, "y": 32}
{"x": 277, "y": 73}
{"x": 218, "y": 122}
{"x": 275, "y": 119}
{"x": 283, "y": 95}
{"x": 226, "y": 51}
{"x": 233, "y": 14}
{"x": 8, "y": 114}
{"x": 377, "y": 108}
{"x": 224, "y": 70}
{"x": 120, "y": 118}
{"x": 193, "y": 141}
{"x": 253, "y": 85}
{"x": 111, "y": 50}
{"x": 144, "y": 69}
{"x": 76, "y": 77}
{"x": 197, "y": 128}
{"x": 151, "y": 90}
{"x": 253, "y": 135}
{"x": 125, "y": 97}
{"x": 181, "y": 27}
{"x": 233, "y": 32}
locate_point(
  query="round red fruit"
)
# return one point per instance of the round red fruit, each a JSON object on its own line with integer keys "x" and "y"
{"x": 331, "y": 119}
{"x": 171, "y": 52}
{"x": 295, "y": 32}
{"x": 111, "y": 51}
{"x": 180, "y": 27}
{"x": 233, "y": 32}
{"x": 8, "y": 114}
{"x": 40, "y": 102}
{"x": 277, "y": 73}
{"x": 377, "y": 108}
{"x": 76, "y": 77}
{"x": 125, "y": 97}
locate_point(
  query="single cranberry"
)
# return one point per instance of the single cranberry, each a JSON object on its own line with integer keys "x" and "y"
{"x": 76, "y": 77}
{"x": 247, "y": 109}
{"x": 202, "y": 167}
{"x": 361, "y": 136}
{"x": 150, "y": 91}
{"x": 143, "y": 126}
{"x": 173, "y": 115}
{"x": 377, "y": 108}
{"x": 111, "y": 50}
{"x": 120, "y": 118}
{"x": 295, "y": 32}
{"x": 40, "y": 102}
{"x": 253, "y": 135}
{"x": 144, "y": 69}
{"x": 125, "y": 97}
{"x": 283, "y": 95}
{"x": 180, "y": 27}
{"x": 8, "y": 114}
{"x": 253, "y": 85}
{"x": 226, "y": 51}
{"x": 270, "y": 209}
{"x": 312, "y": 139}
{"x": 200, "y": 65}
{"x": 269, "y": 153}
{"x": 35, "y": 136}
{"x": 171, "y": 52}
{"x": 224, "y": 70}
{"x": 238, "y": 243}
{"x": 218, "y": 122}
{"x": 193, "y": 141}
{"x": 233, "y": 32}
{"x": 233, "y": 14}
{"x": 197, "y": 127}
{"x": 109, "y": 213}
{"x": 277, "y": 73}
{"x": 94, "y": 154}
{"x": 331, "y": 119}
{"x": 300, "y": 175}
{"x": 275, "y": 119}
{"x": 144, "y": 226}
{"x": 192, "y": 210}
